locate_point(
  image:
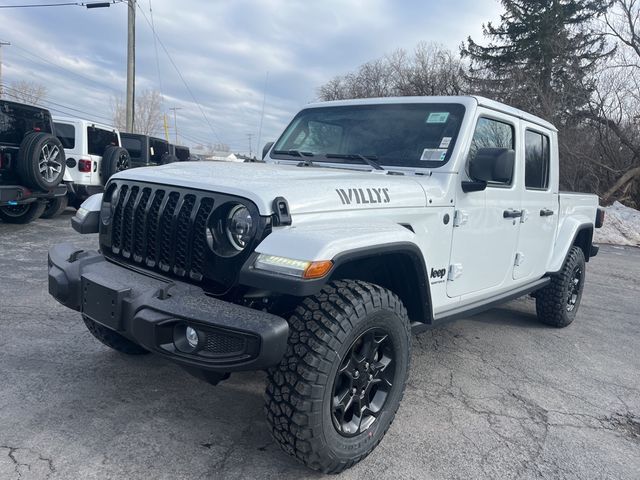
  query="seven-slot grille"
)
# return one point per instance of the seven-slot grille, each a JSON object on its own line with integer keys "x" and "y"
{"x": 161, "y": 228}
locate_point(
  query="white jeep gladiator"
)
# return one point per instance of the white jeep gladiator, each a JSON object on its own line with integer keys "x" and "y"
{"x": 370, "y": 219}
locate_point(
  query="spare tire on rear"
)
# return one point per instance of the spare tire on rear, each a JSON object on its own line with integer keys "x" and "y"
{"x": 114, "y": 160}
{"x": 41, "y": 161}
{"x": 168, "y": 158}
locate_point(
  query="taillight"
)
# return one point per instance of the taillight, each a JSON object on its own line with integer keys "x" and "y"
{"x": 84, "y": 166}
{"x": 600, "y": 218}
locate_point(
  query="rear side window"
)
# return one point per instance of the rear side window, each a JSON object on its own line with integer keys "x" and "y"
{"x": 182, "y": 153}
{"x": 66, "y": 133}
{"x": 98, "y": 139}
{"x": 133, "y": 146}
{"x": 18, "y": 120}
{"x": 536, "y": 159}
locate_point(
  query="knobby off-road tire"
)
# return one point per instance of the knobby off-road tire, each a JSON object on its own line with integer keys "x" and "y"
{"x": 21, "y": 214}
{"x": 55, "y": 206}
{"x": 114, "y": 160}
{"x": 557, "y": 303}
{"x": 332, "y": 334}
{"x": 41, "y": 161}
{"x": 113, "y": 339}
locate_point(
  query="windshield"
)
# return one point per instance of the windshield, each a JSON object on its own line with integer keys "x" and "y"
{"x": 404, "y": 135}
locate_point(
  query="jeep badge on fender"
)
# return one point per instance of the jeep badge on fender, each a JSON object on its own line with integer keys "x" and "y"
{"x": 318, "y": 270}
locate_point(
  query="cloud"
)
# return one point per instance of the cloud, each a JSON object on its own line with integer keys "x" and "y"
{"x": 224, "y": 51}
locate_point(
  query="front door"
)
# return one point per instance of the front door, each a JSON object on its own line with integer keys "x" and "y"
{"x": 486, "y": 225}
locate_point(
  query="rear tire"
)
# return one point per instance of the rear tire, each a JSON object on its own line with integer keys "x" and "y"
{"x": 114, "y": 160}
{"x": 41, "y": 161}
{"x": 55, "y": 207}
{"x": 557, "y": 303}
{"x": 318, "y": 408}
{"x": 112, "y": 339}
{"x": 21, "y": 214}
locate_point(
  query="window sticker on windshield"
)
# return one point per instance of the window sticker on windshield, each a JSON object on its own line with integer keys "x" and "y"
{"x": 438, "y": 117}
{"x": 434, "y": 154}
{"x": 445, "y": 142}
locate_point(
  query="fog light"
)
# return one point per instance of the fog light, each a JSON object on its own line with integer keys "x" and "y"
{"x": 192, "y": 337}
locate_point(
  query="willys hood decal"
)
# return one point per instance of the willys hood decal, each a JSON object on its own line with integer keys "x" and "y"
{"x": 307, "y": 189}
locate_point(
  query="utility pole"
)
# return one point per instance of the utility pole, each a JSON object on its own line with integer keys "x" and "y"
{"x": 2, "y": 44}
{"x": 131, "y": 65}
{"x": 175, "y": 121}
{"x": 250, "y": 135}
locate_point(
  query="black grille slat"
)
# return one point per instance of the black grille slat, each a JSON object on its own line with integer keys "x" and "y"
{"x": 117, "y": 219}
{"x": 139, "y": 226}
{"x": 165, "y": 230}
{"x": 183, "y": 241}
{"x": 153, "y": 221}
{"x": 127, "y": 222}
{"x": 200, "y": 239}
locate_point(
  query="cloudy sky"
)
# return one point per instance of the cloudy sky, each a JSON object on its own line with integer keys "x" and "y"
{"x": 223, "y": 50}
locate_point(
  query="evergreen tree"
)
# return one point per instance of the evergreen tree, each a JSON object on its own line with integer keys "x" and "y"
{"x": 540, "y": 56}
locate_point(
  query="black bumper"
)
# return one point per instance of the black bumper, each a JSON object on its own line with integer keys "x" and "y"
{"x": 150, "y": 310}
{"x": 17, "y": 194}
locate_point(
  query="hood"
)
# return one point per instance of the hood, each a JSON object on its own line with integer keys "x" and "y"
{"x": 306, "y": 189}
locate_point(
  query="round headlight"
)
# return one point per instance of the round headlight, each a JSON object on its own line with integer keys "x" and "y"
{"x": 238, "y": 227}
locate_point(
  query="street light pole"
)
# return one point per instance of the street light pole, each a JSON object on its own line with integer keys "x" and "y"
{"x": 131, "y": 66}
{"x": 2, "y": 44}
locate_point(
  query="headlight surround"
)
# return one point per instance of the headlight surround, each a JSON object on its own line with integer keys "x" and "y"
{"x": 239, "y": 225}
{"x": 230, "y": 229}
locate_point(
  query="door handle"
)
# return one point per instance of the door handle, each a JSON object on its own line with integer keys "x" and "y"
{"x": 512, "y": 213}
{"x": 545, "y": 212}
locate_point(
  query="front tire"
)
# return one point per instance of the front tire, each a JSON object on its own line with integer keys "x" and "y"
{"x": 112, "y": 339}
{"x": 337, "y": 390}
{"x": 23, "y": 213}
{"x": 557, "y": 303}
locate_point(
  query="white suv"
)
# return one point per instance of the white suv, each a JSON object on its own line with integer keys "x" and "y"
{"x": 94, "y": 152}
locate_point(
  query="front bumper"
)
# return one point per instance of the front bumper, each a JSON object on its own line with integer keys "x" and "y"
{"x": 150, "y": 310}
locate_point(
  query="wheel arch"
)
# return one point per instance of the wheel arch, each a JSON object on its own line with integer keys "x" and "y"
{"x": 399, "y": 268}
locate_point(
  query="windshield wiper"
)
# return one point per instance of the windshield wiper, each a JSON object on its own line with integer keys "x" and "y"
{"x": 293, "y": 153}
{"x": 369, "y": 160}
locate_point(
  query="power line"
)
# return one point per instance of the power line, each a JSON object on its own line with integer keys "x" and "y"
{"x": 64, "y": 4}
{"x": 213, "y": 130}
{"x": 155, "y": 47}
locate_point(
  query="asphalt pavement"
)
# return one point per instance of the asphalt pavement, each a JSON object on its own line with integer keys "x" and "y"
{"x": 497, "y": 395}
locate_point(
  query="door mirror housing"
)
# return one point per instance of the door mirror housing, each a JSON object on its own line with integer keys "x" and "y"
{"x": 266, "y": 149}
{"x": 493, "y": 165}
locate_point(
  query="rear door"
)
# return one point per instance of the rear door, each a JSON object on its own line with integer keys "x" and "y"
{"x": 539, "y": 202}
{"x": 484, "y": 241}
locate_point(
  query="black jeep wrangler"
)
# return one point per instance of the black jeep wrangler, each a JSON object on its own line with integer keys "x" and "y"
{"x": 146, "y": 151}
{"x": 181, "y": 153}
{"x": 32, "y": 162}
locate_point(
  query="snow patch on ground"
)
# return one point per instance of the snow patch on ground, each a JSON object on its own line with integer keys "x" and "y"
{"x": 621, "y": 226}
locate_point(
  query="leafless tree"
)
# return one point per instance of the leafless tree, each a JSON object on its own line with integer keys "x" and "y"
{"x": 26, "y": 91}
{"x": 148, "y": 112}
{"x": 431, "y": 69}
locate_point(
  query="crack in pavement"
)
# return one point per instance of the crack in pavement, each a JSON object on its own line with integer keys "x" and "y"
{"x": 19, "y": 465}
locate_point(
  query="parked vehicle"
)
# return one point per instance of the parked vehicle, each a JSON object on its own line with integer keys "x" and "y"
{"x": 371, "y": 219}
{"x": 180, "y": 152}
{"x": 147, "y": 151}
{"x": 94, "y": 153}
{"x": 32, "y": 162}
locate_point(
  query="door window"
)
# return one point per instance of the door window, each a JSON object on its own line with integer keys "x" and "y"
{"x": 66, "y": 133}
{"x": 492, "y": 134}
{"x": 536, "y": 158}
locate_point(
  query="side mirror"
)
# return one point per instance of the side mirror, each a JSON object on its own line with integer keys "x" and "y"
{"x": 493, "y": 165}
{"x": 266, "y": 149}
